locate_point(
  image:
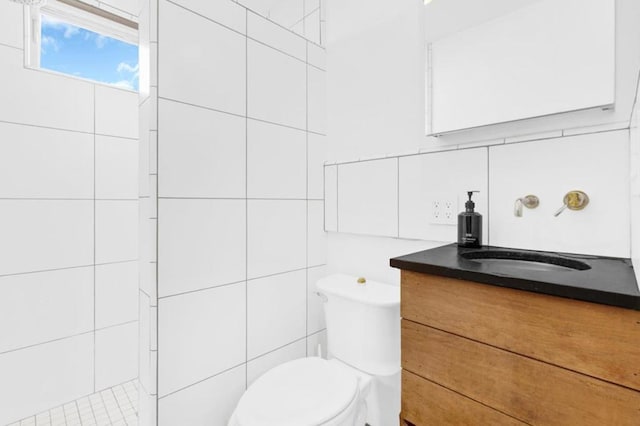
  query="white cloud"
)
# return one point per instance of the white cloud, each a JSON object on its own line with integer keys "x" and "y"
{"x": 101, "y": 41}
{"x": 123, "y": 84}
{"x": 125, "y": 67}
{"x": 49, "y": 42}
{"x": 56, "y": 24}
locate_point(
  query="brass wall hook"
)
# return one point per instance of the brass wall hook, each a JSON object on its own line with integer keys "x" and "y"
{"x": 573, "y": 200}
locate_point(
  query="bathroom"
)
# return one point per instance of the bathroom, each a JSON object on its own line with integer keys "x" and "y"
{"x": 162, "y": 243}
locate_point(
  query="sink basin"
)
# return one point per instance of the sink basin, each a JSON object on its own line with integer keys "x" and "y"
{"x": 525, "y": 260}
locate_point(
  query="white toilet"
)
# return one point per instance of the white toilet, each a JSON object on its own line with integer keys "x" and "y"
{"x": 360, "y": 383}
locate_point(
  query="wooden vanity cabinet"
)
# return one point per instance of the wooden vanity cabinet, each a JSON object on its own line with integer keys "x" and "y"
{"x": 477, "y": 354}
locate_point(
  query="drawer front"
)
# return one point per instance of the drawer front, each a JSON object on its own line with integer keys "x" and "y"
{"x": 526, "y": 389}
{"x": 598, "y": 340}
{"x": 426, "y": 403}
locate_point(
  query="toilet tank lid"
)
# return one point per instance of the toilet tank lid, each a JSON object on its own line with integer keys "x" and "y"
{"x": 370, "y": 292}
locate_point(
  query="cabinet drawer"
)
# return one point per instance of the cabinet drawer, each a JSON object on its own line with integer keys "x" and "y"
{"x": 529, "y": 390}
{"x": 426, "y": 403}
{"x": 598, "y": 340}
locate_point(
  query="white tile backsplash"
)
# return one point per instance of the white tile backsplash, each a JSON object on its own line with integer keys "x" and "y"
{"x": 201, "y": 244}
{"x": 210, "y": 402}
{"x": 116, "y": 299}
{"x": 116, "y": 355}
{"x": 115, "y": 112}
{"x": 596, "y": 164}
{"x": 189, "y": 67}
{"x": 201, "y": 152}
{"x": 41, "y": 235}
{"x": 45, "y": 306}
{"x": 436, "y": 177}
{"x": 39, "y": 377}
{"x": 116, "y": 230}
{"x": 276, "y": 86}
{"x": 202, "y": 334}
{"x": 276, "y": 310}
{"x": 276, "y": 161}
{"x": 368, "y": 197}
{"x": 60, "y": 163}
{"x": 259, "y": 366}
{"x": 116, "y": 168}
{"x": 226, "y": 13}
{"x": 276, "y": 236}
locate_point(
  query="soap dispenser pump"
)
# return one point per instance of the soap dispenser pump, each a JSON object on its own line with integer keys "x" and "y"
{"x": 470, "y": 225}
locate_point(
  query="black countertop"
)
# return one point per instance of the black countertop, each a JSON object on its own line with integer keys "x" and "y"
{"x": 606, "y": 280}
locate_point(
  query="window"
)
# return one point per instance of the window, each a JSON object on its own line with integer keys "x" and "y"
{"x": 78, "y": 42}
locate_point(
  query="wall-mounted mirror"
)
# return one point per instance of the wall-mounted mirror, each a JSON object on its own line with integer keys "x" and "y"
{"x": 304, "y": 17}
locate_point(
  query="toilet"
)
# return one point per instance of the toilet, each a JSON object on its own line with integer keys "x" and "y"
{"x": 358, "y": 384}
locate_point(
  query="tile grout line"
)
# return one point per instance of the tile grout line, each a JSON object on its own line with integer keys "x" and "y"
{"x": 157, "y": 233}
{"x": 246, "y": 202}
{"x": 94, "y": 238}
{"x": 306, "y": 292}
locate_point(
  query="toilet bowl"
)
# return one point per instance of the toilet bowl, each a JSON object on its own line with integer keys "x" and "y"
{"x": 305, "y": 392}
{"x": 360, "y": 383}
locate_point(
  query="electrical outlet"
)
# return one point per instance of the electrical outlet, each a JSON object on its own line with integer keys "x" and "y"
{"x": 444, "y": 210}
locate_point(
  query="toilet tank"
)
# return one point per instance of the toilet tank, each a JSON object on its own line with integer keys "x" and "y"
{"x": 363, "y": 323}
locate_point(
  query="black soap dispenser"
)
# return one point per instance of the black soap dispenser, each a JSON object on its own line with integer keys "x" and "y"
{"x": 470, "y": 225}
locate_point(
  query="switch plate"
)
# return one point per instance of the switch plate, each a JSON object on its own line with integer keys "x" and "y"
{"x": 444, "y": 210}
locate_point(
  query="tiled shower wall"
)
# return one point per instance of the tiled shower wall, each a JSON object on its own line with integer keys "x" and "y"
{"x": 234, "y": 185}
{"x": 68, "y": 244}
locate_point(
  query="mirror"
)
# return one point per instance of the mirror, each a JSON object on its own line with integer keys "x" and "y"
{"x": 304, "y": 17}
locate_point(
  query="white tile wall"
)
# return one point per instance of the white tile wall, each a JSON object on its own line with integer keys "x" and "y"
{"x": 11, "y": 34}
{"x": 116, "y": 168}
{"x": 315, "y": 307}
{"x": 201, "y": 244}
{"x": 438, "y": 176}
{"x": 188, "y": 67}
{"x": 276, "y": 310}
{"x": 261, "y": 29}
{"x": 259, "y": 366}
{"x": 276, "y": 236}
{"x": 317, "y": 100}
{"x": 110, "y": 119}
{"x": 41, "y": 376}
{"x": 316, "y": 156}
{"x": 202, "y": 334}
{"x": 202, "y": 152}
{"x": 317, "y": 340}
{"x": 116, "y": 355}
{"x": 116, "y": 293}
{"x": 226, "y": 13}
{"x": 596, "y": 164}
{"x": 60, "y": 163}
{"x": 331, "y": 198}
{"x": 210, "y": 402}
{"x": 116, "y": 231}
{"x": 276, "y": 86}
{"x": 276, "y": 161}
{"x": 368, "y": 197}
{"x": 317, "y": 56}
{"x": 63, "y": 102}
{"x": 316, "y": 236}
{"x": 45, "y": 306}
{"x": 40, "y": 235}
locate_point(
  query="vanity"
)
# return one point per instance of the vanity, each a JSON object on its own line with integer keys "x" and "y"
{"x": 495, "y": 336}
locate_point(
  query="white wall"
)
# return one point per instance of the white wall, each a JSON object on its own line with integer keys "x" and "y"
{"x": 68, "y": 219}
{"x": 233, "y": 205}
{"x": 545, "y": 157}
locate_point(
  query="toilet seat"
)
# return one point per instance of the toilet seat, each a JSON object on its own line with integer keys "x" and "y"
{"x": 304, "y": 392}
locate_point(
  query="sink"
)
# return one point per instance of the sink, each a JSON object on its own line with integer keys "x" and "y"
{"x": 525, "y": 260}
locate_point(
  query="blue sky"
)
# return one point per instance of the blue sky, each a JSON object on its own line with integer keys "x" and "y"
{"x": 73, "y": 50}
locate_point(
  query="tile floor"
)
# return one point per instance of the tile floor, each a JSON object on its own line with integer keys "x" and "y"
{"x": 116, "y": 406}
